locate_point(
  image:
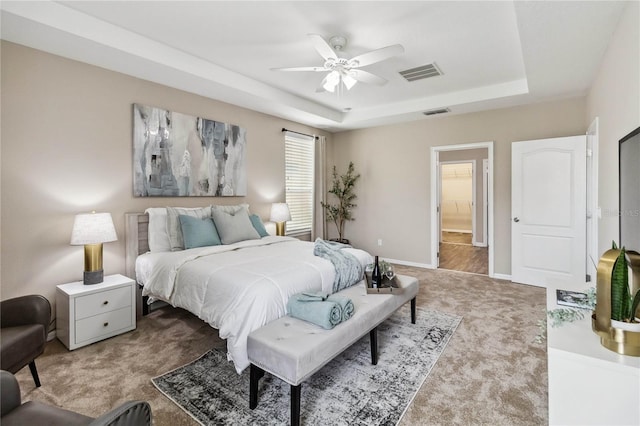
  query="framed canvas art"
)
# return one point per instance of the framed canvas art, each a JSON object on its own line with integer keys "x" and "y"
{"x": 179, "y": 155}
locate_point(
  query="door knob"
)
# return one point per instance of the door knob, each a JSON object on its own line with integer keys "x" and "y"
{"x": 515, "y": 219}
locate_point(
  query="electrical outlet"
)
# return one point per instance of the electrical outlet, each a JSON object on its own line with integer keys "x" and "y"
{"x": 379, "y": 242}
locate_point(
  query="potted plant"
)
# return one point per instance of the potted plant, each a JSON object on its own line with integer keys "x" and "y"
{"x": 343, "y": 190}
{"x": 623, "y": 303}
{"x": 618, "y": 302}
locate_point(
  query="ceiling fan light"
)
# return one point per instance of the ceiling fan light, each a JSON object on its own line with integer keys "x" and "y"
{"x": 349, "y": 81}
{"x": 331, "y": 81}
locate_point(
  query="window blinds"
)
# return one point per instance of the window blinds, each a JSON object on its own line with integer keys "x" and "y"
{"x": 299, "y": 181}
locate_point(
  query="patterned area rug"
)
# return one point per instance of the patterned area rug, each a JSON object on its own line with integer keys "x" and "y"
{"x": 347, "y": 391}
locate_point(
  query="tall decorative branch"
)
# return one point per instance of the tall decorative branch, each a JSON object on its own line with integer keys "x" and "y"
{"x": 342, "y": 189}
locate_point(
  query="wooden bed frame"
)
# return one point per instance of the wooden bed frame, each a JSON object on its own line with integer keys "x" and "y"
{"x": 136, "y": 243}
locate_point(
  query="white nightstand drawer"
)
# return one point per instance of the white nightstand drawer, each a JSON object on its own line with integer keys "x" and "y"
{"x": 86, "y": 314}
{"x": 100, "y": 325}
{"x": 105, "y": 301}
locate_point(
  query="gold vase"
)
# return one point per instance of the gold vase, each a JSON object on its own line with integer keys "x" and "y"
{"x": 624, "y": 342}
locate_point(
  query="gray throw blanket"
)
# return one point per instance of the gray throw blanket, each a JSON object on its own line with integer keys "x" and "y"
{"x": 348, "y": 269}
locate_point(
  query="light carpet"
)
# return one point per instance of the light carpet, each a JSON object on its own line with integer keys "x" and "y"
{"x": 491, "y": 373}
{"x": 347, "y": 391}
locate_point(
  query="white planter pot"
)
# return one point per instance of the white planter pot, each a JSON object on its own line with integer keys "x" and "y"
{"x": 629, "y": 326}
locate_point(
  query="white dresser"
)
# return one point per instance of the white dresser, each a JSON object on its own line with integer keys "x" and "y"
{"x": 89, "y": 313}
{"x": 589, "y": 384}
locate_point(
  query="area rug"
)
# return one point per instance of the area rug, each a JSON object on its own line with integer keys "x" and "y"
{"x": 347, "y": 391}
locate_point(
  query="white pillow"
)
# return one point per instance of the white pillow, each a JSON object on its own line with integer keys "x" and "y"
{"x": 234, "y": 226}
{"x": 158, "y": 237}
{"x": 173, "y": 223}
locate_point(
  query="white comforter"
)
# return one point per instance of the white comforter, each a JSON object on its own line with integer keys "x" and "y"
{"x": 240, "y": 287}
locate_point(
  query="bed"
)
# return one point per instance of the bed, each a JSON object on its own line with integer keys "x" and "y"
{"x": 237, "y": 287}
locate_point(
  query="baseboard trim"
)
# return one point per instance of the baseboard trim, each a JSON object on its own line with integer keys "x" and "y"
{"x": 502, "y": 276}
{"x": 480, "y": 244}
{"x": 407, "y": 263}
{"x": 460, "y": 231}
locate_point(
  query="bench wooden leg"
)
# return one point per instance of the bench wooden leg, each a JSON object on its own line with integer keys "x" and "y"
{"x": 255, "y": 374}
{"x": 413, "y": 310}
{"x": 373, "y": 338}
{"x": 295, "y": 405}
{"x": 34, "y": 373}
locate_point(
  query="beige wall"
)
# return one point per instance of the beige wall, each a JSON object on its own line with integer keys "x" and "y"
{"x": 394, "y": 191}
{"x": 67, "y": 149}
{"x": 615, "y": 99}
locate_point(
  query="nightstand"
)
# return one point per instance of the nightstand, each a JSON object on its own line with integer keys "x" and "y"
{"x": 89, "y": 313}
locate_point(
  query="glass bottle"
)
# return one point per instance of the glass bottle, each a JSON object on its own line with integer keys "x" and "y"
{"x": 376, "y": 275}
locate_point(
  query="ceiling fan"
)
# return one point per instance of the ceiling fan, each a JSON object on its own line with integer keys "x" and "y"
{"x": 345, "y": 71}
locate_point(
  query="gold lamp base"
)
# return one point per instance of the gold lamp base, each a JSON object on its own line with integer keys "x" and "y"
{"x": 280, "y": 228}
{"x": 93, "y": 272}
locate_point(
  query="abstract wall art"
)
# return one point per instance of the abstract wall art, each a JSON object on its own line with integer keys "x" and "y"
{"x": 179, "y": 155}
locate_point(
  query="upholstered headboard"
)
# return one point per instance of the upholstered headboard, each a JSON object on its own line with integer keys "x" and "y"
{"x": 136, "y": 240}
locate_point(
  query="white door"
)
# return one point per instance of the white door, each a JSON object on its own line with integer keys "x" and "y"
{"x": 548, "y": 212}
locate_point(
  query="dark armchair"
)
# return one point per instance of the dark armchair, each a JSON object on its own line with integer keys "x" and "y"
{"x": 132, "y": 413}
{"x": 24, "y": 324}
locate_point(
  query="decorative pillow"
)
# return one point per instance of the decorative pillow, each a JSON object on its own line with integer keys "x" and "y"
{"x": 158, "y": 237}
{"x": 258, "y": 225}
{"x": 234, "y": 227}
{"x": 173, "y": 223}
{"x": 231, "y": 209}
{"x": 198, "y": 232}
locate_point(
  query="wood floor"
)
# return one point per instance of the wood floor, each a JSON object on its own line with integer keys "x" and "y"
{"x": 457, "y": 254}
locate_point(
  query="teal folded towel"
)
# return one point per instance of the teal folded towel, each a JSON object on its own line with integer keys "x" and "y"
{"x": 312, "y": 297}
{"x": 316, "y": 309}
{"x": 346, "y": 305}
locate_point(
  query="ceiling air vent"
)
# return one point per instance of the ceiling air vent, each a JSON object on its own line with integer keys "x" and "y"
{"x": 419, "y": 73}
{"x": 437, "y": 111}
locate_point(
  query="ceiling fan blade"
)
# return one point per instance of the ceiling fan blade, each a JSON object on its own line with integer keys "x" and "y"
{"x": 377, "y": 55}
{"x": 316, "y": 69}
{"x": 367, "y": 77}
{"x": 323, "y": 47}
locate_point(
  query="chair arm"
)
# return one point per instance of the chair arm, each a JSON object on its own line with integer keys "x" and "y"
{"x": 10, "y": 395}
{"x": 23, "y": 310}
{"x": 132, "y": 413}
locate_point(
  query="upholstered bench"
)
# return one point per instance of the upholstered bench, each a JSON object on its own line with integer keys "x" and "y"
{"x": 293, "y": 350}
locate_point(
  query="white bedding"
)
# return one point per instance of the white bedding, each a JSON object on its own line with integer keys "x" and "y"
{"x": 240, "y": 287}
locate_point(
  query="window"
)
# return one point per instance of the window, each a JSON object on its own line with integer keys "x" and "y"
{"x": 299, "y": 181}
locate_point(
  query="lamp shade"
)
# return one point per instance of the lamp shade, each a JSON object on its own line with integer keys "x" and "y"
{"x": 93, "y": 228}
{"x": 280, "y": 212}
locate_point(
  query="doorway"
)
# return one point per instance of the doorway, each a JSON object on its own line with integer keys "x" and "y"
{"x": 462, "y": 207}
{"x": 457, "y": 202}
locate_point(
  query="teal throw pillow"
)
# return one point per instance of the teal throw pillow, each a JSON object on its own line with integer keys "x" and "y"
{"x": 198, "y": 232}
{"x": 257, "y": 223}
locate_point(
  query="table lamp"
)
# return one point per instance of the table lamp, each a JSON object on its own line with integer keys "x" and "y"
{"x": 280, "y": 214}
{"x": 91, "y": 230}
